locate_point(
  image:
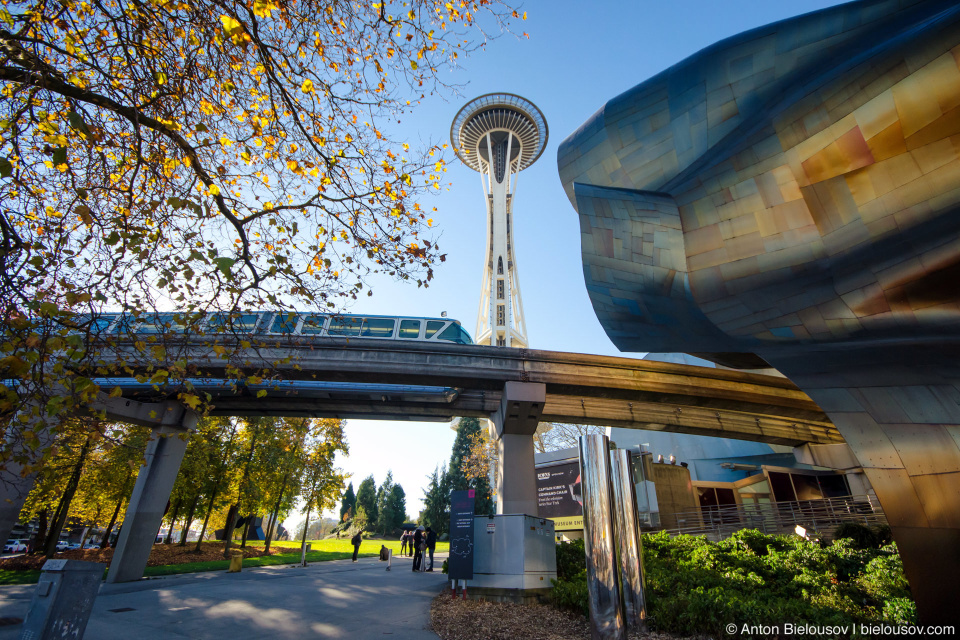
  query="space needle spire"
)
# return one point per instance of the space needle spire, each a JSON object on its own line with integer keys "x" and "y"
{"x": 499, "y": 135}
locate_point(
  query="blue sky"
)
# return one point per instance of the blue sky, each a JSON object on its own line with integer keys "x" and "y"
{"x": 578, "y": 56}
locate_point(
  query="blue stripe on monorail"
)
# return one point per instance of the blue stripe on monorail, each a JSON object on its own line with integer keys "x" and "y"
{"x": 302, "y": 388}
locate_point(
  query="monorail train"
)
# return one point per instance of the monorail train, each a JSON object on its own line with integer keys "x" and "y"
{"x": 293, "y": 323}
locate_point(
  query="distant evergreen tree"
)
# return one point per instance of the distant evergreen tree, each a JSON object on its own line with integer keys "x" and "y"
{"x": 348, "y": 502}
{"x": 436, "y": 502}
{"x": 367, "y": 498}
{"x": 385, "y": 514}
{"x": 398, "y": 503}
{"x": 466, "y": 428}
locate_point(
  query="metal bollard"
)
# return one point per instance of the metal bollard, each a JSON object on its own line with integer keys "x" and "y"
{"x": 628, "y": 539}
{"x": 389, "y": 558}
{"x": 61, "y": 605}
{"x": 603, "y": 580}
{"x": 236, "y": 561}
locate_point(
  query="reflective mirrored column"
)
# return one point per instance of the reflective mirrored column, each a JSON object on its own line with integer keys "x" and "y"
{"x": 629, "y": 542}
{"x": 603, "y": 580}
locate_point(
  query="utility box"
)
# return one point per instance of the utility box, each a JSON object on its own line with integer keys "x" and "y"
{"x": 514, "y": 558}
{"x": 64, "y": 598}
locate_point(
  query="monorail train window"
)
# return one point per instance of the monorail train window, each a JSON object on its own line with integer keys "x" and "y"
{"x": 377, "y": 328}
{"x": 409, "y": 329}
{"x": 158, "y": 323}
{"x": 312, "y": 325}
{"x": 344, "y": 326}
{"x": 124, "y": 323}
{"x": 432, "y": 327}
{"x": 240, "y": 323}
{"x": 284, "y": 323}
{"x": 84, "y": 323}
{"x": 455, "y": 333}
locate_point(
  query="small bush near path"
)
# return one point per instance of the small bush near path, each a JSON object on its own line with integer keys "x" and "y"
{"x": 695, "y": 586}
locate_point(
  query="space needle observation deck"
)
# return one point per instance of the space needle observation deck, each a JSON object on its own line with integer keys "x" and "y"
{"x": 499, "y": 135}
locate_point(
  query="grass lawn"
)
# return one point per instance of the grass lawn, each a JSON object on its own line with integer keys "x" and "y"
{"x": 320, "y": 551}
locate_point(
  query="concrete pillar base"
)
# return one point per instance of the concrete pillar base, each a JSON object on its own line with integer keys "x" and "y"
{"x": 516, "y": 476}
{"x": 514, "y": 424}
{"x": 147, "y": 504}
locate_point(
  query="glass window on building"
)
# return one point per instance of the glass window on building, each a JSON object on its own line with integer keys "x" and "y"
{"x": 756, "y": 493}
{"x": 834, "y": 486}
{"x": 781, "y": 486}
{"x": 806, "y": 487}
{"x": 499, "y": 289}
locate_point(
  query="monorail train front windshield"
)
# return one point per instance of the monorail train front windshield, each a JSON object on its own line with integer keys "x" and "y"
{"x": 293, "y": 323}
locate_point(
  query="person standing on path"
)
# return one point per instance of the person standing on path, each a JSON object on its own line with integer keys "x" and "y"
{"x": 355, "y": 541}
{"x": 418, "y": 549}
{"x": 431, "y": 543}
{"x": 403, "y": 542}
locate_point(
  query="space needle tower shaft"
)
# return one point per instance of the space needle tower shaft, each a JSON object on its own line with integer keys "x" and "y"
{"x": 499, "y": 135}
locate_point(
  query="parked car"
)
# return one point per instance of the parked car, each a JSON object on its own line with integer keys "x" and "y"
{"x": 91, "y": 545}
{"x": 63, "y": 545}
{"x": 15, "y": 546}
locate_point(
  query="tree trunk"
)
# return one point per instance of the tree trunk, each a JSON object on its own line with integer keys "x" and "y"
{"x": 116, "y": 512}
{"x": 235, "y": 509}
{"x": 113, "y": 520}
{"x": 228, "y": 529}
{"x": 186, "y": 526}
{"x": 173, "y": 521}
{"x": 71, "y": 489}
{"x": 246, "y": 530}
{"x": 216, "y": 488}
{"x": 41, "y": 538}
{"x": 303, "y": 542}
{"x": 272, "y": 524}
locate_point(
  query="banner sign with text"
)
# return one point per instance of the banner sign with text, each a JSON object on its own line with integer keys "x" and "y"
{"x": 460, "y": 563}
{"x": 558, "y": 495}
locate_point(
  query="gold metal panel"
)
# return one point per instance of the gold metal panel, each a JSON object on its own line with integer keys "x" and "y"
{"x": 868, "y": 440}
{"x": 897, "y": 495}
{"x": 924, "y": 448}
{"x": 939, "y": 494}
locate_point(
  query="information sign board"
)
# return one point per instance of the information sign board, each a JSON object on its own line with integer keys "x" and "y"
{"x": 558, "y": 495}
{"x": 460, "y": 563}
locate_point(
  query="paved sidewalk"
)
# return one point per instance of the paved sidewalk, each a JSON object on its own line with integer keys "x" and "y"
{"x": 337, "y": 599}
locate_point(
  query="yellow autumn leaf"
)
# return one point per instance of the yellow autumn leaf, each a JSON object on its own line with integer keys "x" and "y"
{"x": 214, "y": 190}
{"x": 307, "y": 86}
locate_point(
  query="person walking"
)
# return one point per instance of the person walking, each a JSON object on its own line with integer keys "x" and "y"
{"x": 355, "y": 541}
{"x": 403, "y": 542}
{"x": 418, "y": 548}
{"x": 431, "y": 543}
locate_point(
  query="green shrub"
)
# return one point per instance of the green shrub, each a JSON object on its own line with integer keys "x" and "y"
{"x": 863, "y": 536}
{"x": 571, "y": 595}
{"x": 697, "y": 587}
{"x": 571, "y": 560}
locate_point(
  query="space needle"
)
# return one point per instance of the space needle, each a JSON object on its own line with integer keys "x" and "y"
{"x": 499, "y": 135}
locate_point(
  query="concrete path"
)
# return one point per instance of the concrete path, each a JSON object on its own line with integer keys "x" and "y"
{"x": 337, "y": 599}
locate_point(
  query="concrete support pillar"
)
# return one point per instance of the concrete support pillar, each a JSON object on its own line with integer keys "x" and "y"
{"x": 149, "y": 500}
{"x": 902, "y": 423}
{"x": 514, "y": 423}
